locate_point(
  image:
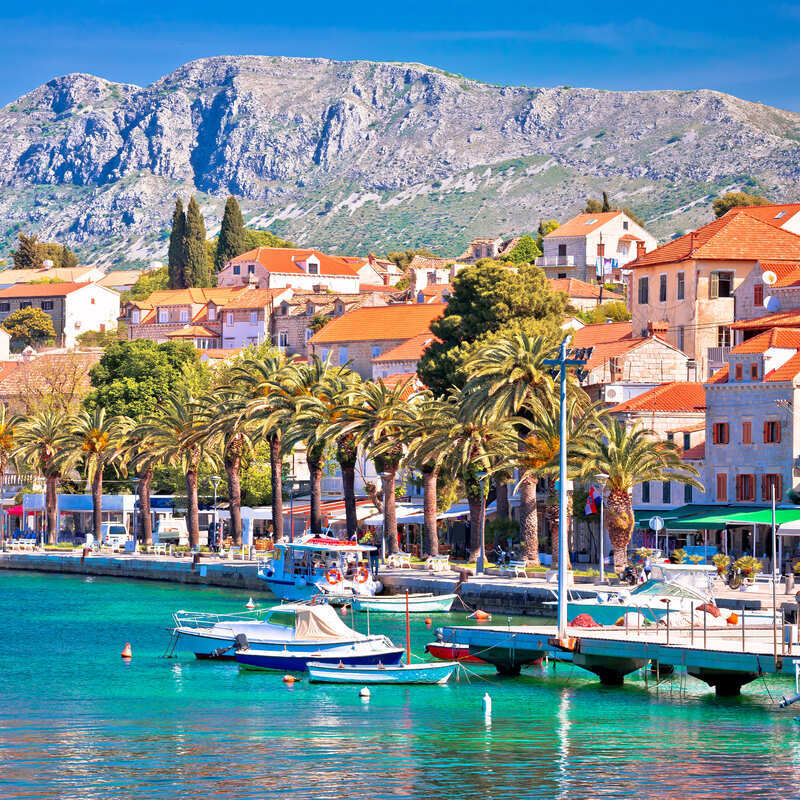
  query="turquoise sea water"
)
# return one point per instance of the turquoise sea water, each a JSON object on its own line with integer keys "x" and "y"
{"x": 76, "y": 721}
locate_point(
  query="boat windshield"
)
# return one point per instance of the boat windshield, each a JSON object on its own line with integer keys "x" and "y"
{"x": 285, "y": 618}
{"x": 654, "y": 588}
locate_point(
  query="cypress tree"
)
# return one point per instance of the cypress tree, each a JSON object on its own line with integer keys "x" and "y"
{"x": 29, "y": 253}
{"x": 176, "y": 259}
{"x": 231, "y": 235}
{"x": 196, "y": 267}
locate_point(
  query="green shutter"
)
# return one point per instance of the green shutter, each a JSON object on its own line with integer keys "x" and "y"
{"x": 713, "y": 287}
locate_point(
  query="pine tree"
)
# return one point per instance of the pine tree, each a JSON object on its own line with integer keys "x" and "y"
{"x": 67, "y": 258}
{"x": 176, "y": 259}
{"x": 231, "y": 235}
{"x": 29, "y": 254}
{"x": 196, "y": 267}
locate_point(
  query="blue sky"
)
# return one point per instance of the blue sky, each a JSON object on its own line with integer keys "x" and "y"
{"x": 748, "y": 49}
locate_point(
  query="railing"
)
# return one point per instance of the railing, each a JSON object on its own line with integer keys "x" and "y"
{"x": 555, "y": 261}
{"x": 718, "y": 355}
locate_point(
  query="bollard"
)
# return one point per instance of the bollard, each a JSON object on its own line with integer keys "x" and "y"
{"x": 788, "y": 630}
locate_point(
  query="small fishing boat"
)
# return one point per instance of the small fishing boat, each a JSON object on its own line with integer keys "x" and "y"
{"x": 449, "y": 651}
{"x": 430, "y": 673}
{"x": 288, "y": 661}
{"x": 396, "y": 604}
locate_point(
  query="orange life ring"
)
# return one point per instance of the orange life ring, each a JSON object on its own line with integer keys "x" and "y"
{"x": 362, "y": 574}
{"x": 333, "y": 576}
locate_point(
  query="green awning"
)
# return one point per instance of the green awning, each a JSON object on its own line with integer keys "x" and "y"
{"x": 671, "y": 516}
{"x": 722, "y": 516}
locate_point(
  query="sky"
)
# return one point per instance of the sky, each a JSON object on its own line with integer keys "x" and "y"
{"x": 751, "y": 50}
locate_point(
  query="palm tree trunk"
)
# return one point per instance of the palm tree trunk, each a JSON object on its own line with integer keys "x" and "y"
{"x": 349, "y": 489}
{"x": 474, "y": 526}
{"x": 619, "y": 522}
{"x": 315, "y": 475}
{"x": 145, "y": 513}
{"x": 276, "y": 478}
{"x": 529, "y": 520}
{"x": 390, "y": 510}
{"x": 552, "y": 513}
{"x": 431, "y": 538}
{"x": 503, "y": 509}
{"x": 192, "y": 513}
{"x": 97, "y": 502}
{"x": 2, "y": 513}
{"x": 50, "y": 502}
{"x": 233, "y": 466}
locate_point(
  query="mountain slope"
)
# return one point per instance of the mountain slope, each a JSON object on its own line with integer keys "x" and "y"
{"x": 359, "y": 155}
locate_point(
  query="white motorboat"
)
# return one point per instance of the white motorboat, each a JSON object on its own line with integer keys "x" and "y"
{"x": 337, "y": 570}
{"x": 431, "y": 673}
{"x": 292, "y": 631}
{"x": 396, "y": 604}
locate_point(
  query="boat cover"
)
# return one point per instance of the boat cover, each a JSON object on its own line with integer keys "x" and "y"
{"x": 322, "y": 623}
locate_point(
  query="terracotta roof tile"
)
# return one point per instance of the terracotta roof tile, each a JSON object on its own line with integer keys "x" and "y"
{"x": 667, "y": 397}
{"x": 119, "y": 277}
{"x": 775, "y": 215}
{"x": 603, "y": 351}
{"x": 572, "y": 287}
{"x": 283, "y": 260}
{"x": 412, "y": 350}
{"x": 782, "y": 319}
{"x": 252, "y": 298}
{"x": 186, "y": 297}
{"x": 64, "y": 274}
{"x": 582, "y": 224}
{"x": 700, "y": 426}
{"x": 42, "y": 289}
{"x": 191, "y": 331}
{"x": 720, "y": 376}
{"x": 591, "y": 335}
{"x": 786, "y": 372}
{"x": 787, "y": 338}
{"x": 737, "y": 236}
{"x": 380, "y": 323}
{"x": 696, "y": 453}
{"x": 412, "y": 383}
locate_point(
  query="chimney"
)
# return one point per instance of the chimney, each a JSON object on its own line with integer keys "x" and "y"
{"x": 371, "y": 258}
{"x": 601, "y": 250}
{"x": 639, "y": 248}
{"x": 386, "y": 278}
{"x": 693, "y": 242}
{"x": 658, "y": 329}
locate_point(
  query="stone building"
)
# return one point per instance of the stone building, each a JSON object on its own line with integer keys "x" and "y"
{"x": 584, "y": 296}
{"x": 402, "y": 359}
{"x": 488, "y": 247}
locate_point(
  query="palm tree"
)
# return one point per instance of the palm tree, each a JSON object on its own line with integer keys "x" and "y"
{"x": 142, "y": 461}
{"x": 9, "y": 424}
{"x": 630, "y": 456}
{"x": 172, "y": 436}
{"x": 99, "y": 439}
{"x": 377, "y": 416}
{"x": 44, "y": 447}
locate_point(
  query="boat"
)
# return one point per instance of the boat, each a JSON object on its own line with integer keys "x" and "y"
{"x": 396, "y": 604}
{"x": 334, "y": 569}
{"x": 449, "y": 651}
{"x": 291, "y": 661}
{"x": 430, "y": 673}
{"x": 293, "y": 630}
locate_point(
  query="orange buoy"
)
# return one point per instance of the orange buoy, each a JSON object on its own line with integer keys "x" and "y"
{"x": 250, "y": 604}
{"x": 428, "y": 621}
{"x": 480, "y": 615}
{"x": 289, "y": 679}
{"x": 126, "y": 651}
{"x": 733, "y": 618}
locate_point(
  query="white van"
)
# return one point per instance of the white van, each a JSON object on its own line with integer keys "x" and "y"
{"x": 114, "y": 534}
{"x": 171, "y": 531}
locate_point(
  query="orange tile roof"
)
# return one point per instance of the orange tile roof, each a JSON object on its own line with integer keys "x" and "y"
{"x": 41, "y": 289}
{"x": 629, "y": 237}
{"x": 787, "y": 272}
{"x": 252, "y": 298}
{"x": 572, "y": 287}
{"x": 411, "y": 350}
{"x": 191, "y": 331}
{"x": 380, "y": 323}
{"x": 582, "y": 224}
{"x": 412, "y": 383}
{"x": 591, "y": 335}
{"x": 696, "y": 453}
{"x": 769, "y": 213}
{"x": 701, "y": 426}
{"x": 365, "y": 288}
{"x": 782, "y": 319}
{"x": 720, "y": 376}
{"x": 603, "y": 351}
{"x": 786, "y": 372}
{"x": 121, "y": 277}
{"x": 677, "y": 396}
{"x": 788, "y": 338}
{"x": 737, "y": 236}
{"x": 219, "y": 353}
{"x": 282, "y": 260}
{"x": 431, "y": 262}
{"x": 187, "y": 297}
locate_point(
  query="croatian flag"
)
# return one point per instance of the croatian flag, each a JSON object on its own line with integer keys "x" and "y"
{"x": 593, "y": 500}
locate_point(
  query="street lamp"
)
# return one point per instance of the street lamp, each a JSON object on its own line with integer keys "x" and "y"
{"x": 481, "y": 561}
{"x": 135, "y": 482}
{"x": 291, "y": 479}
{"x": 215, "y": 479}
{"x": 602, "y": 481}
{"x": 385, "y": 478}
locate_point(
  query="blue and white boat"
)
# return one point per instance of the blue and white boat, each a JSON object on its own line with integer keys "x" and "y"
{"x": 334, "y": 569}
{"x": 292, "y": 634}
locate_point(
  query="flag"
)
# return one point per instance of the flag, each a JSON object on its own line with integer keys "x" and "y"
{"x": 593, "y": 500}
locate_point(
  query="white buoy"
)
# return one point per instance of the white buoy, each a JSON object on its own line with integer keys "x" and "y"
{"x": 250, "y": 603}
{"x": 487, "y": 706}
{"x": 364, "y": 692}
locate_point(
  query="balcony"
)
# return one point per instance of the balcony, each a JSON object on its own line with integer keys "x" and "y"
{"x": 555, "y": 261}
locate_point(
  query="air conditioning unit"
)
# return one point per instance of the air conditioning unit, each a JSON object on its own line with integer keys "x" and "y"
{"x": 613, "y": 394}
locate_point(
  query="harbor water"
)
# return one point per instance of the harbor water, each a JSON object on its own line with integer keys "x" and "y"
{"x": 77, "y": 721}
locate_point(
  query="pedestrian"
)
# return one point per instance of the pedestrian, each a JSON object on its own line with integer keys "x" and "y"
{"x": 647, "y": 567}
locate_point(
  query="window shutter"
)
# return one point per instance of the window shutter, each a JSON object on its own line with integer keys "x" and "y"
{"x": 714, "y": 434}
{"x": 713, "y": 286}
{"x": 764, "y": 491}
{"x": 778, "y": 431}
{"x": 738, "y": 487}
{"x": 766, "y": 426}
{"x": 778, "y": 488}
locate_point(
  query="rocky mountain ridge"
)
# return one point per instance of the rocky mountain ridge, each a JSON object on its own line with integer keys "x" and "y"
{"x": 351, "y": 156}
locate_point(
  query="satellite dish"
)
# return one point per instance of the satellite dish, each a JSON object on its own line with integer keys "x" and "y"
{"x": 657, "y": 523}
{"x": 47, "y": 263}
{"x": 769, "y": 277}
{"x": 772, "y": 304}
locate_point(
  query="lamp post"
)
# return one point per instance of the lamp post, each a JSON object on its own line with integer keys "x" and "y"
{"x": 215, "y": 479}
{"x": 291, "y": 479}
{"x": 602, "y": 480}
{"x": 135, "y": 482}
{"x": 481, "y": 561}
{"x": 385, "y": 480}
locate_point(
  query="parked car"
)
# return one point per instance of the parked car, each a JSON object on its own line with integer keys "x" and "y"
{"x": 114, "y": 534}
{"x": 171, "y": 531}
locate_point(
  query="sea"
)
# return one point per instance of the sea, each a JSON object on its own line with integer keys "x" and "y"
{"x": 78, "y": 722}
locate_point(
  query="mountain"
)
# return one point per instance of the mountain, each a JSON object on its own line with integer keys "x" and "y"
{"x": 358, "y": 156}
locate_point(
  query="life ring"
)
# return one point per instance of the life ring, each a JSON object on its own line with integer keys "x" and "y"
{"x": 362, "y": 575}
{"x": 333, "y": 576}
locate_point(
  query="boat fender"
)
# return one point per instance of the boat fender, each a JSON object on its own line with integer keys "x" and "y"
{"x": 364, "y": 692}
{"x": 362, "y": 575}
{"x": 333, "y": 576}
{"x": 733, "y": 619}
{"x": 250, "y": 604}
{"x": 428, "y": 621}
{"x": 126, "y": 651}
{"x": 289, "y": 679}
{"x": 479, "y": 615}
{"x": 487, "y": 705}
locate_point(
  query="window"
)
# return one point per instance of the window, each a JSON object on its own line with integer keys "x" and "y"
{"x": 420, "y": 298}
{"x": 723, "y": 336}
{"x": 309, "y": 333}
{"x": 230, "y": 318}
{"x": 681, "y": 285}
{"x": 562, "y": 251}
{"x": 722, "y": 487}
{"x": 251, "y": 269}
{"x": 720, "y": 285}
{"x": 313, "y": 268}
{"x": 768, "y": 482}
{"x": 212, "y": 313}
{"x": 780, "y": 214}
{"x": 747, "y": 432}
{"x": 253, "y": 317}
{"x": 754, "y": 371}
{"x": 163, "y": 315}
{"x": 758, "y": 294}
{"x": 184, "y": 316}
{"x": 562, "y": 274}
{"x": 25, "y": 304}
{"x": 670, "y": 437}
{"x": 624, "y": 224}
{"x": 687, "y": 493}
{"x": 666, "y": 492}
{"x": 134, "y": 316}
{"x": 237, "y": 270}
{"x": 681, "y": 337}
{"x": 324, "y": 353}
{"x": 5, "y": 306}
{"x": 283, "y": 338}
{"x": 745, "y": 488}
{"x": 376, "y": 350}
{"x": 643, "y": 291}
{"x": 772, "y": 432}
{"x": 687, "y": 441}
{"x": 738, "y": 370}
{"x": 47, "y": 305}
{"x": 719, "y": 433}
{"x": 342, "y": 356}
{"x": 646, "y": 492}
{"x": 662, "y": 288}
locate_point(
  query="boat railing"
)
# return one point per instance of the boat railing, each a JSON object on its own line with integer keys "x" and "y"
{"x": 203, "y": 619}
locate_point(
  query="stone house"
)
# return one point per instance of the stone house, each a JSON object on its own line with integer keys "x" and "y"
{"x": 402, "y": 359}
{"x": 591, "y": 246}
{"x": 280, "y": 268}
{"x": 488, "y": 247}
{"x": 584, "y": 296}
{"x": 688, "y": 285}
{"x": 373, "y": 271}
{"x": 755, "y": 298}
{"x": 362, "y": 335}
{"x": 74, "y": 308}
{"x": 10, "y": 277}
{"x": 425, "y": 271}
